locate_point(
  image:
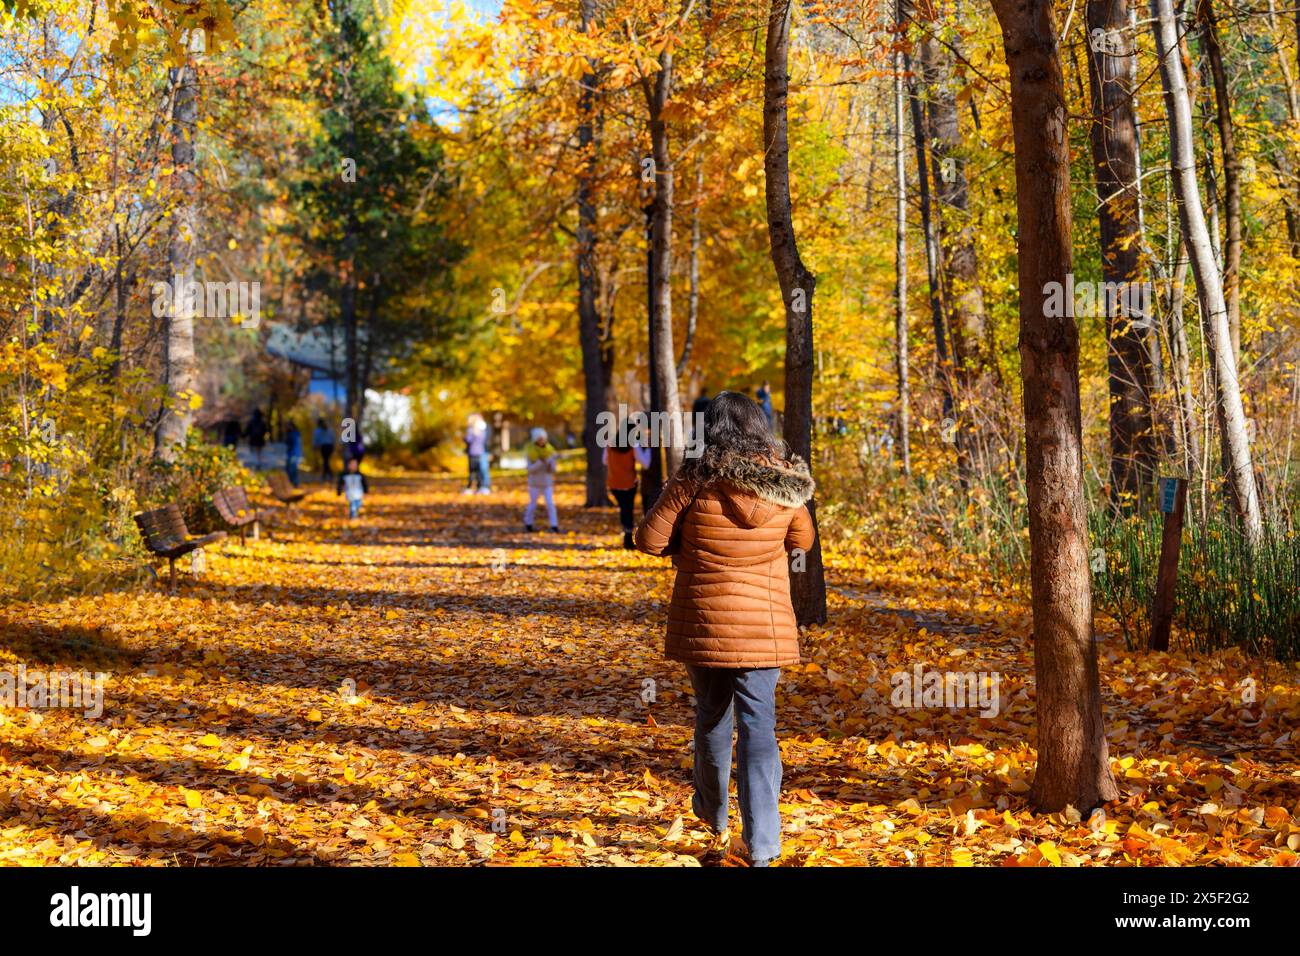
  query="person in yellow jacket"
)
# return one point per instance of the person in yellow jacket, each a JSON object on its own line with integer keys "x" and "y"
{"x": 541, "y": 479}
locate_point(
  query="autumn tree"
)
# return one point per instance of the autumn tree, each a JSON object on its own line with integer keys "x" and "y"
{"x": 1209, "y": 287}
{"x": 596, "y": 360}
{"x": 368, "y": 205}
{"x": 1073, "y": 765}
{"x": 1231, "y": 170}
{"x": 1113, "y": 136}
{"x": 943, "y": 352}
{"x": 959, "y": 259}
{"x": 798, "y": 284}
{"x": 900, "y": 269}
{"x": 179, "y": 367}
{"x": 657, "y": 87}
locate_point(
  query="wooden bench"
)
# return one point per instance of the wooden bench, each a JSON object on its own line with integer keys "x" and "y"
{"x": 284, "y": 490}
{"x": 164, "y": 533}
{"x": 232, "y": 504}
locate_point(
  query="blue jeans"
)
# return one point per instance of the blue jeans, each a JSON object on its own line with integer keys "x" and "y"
{"x": 291, "y": 464}
{"x": 758, "y": 759}
{"x": 480, "y": 474}
{"x": 354, "y": 507}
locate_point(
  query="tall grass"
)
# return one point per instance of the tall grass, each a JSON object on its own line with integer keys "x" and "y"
{"x": 1228, "y": 594}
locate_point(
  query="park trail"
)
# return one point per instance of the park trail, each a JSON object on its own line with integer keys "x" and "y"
{"x": 429, "y": 685}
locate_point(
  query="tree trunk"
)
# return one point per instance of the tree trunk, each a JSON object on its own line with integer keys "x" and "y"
{"x": 1288, "y": 78}
{"x": 1180, "y": 357}
{"x": 1073, "y": 765}
{"x": 663, "y": 355}
{"x": 693, "y": 270}
{"x": 652, "y": 478}
{"x": 1218, "y": 338}
{"x": 942, "y": 354}
{"x": 589, "y": 325}
{"x": 180, "y": 371}
{"x": 1231, "y": 172}
{"x": 348, "y": 315}
{"x": 1278, "y": 156}
{"x": 900, "y": 271}
{"x": 959, "y": 261}
{"x": 693, "y": 299}
{"x": 807, "y": 587}
{"x": 1111, "y": 54}
{"x": 123, "y": 282}
{"x": 369, "y": 345}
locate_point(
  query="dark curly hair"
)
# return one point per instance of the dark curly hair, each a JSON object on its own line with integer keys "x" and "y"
{"x": 734, "y": 427}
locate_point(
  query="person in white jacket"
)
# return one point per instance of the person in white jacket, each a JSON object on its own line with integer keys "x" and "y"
{"x": 541, "y": 479}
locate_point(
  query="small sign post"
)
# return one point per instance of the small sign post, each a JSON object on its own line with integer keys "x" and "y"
{"x": 1173, "y": 502}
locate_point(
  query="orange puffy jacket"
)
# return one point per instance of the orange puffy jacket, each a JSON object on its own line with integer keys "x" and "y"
{"x": 728, "y": 534}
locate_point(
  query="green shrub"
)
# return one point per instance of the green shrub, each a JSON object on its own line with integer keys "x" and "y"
{"x": 199, "y": 471}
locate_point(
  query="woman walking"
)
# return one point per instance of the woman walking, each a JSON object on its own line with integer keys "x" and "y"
{"x": 728, "y": 518}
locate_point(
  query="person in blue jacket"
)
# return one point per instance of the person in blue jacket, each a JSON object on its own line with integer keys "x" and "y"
{"x": 292, "y": 452}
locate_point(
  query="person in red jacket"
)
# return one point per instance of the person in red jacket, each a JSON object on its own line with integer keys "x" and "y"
{"x": 621, "y": 461}
{"x": 728, "y": 519}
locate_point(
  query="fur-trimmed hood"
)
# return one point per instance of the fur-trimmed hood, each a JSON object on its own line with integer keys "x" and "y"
{"x": 780, "y": 482}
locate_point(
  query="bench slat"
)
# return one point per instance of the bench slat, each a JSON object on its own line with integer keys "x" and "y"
{"x": 165, "y": 534}
{"x": 233, "y": 506}
{"x": 283, "y": 489}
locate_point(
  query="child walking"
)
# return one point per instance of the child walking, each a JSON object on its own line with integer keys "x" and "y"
{"x": 541, "y": 479}
{"x": 353, "y": 486}
{"x": 621, "y": 461}
{"x": 727, "y": 519}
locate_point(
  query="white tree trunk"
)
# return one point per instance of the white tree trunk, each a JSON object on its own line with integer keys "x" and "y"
{"x": 900, "y": 258}
{"x": 1209, "y": 288}
{"x": 180, "y": 371}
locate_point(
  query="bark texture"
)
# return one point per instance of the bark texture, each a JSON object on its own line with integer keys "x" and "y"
{"x": 1113, "y": 135}
{"x": 807, "y": 587}
{"x": 180, "y": 371}
{"x": 1191, "y": 215}
{"x": 1073, "y": 765}
{"x": 589, "y": 325}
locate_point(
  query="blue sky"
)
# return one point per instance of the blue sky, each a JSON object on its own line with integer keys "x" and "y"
{"x": 488, "y": 8}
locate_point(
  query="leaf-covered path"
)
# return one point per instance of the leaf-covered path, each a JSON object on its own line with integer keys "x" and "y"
{"x": 430, "y": 685}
